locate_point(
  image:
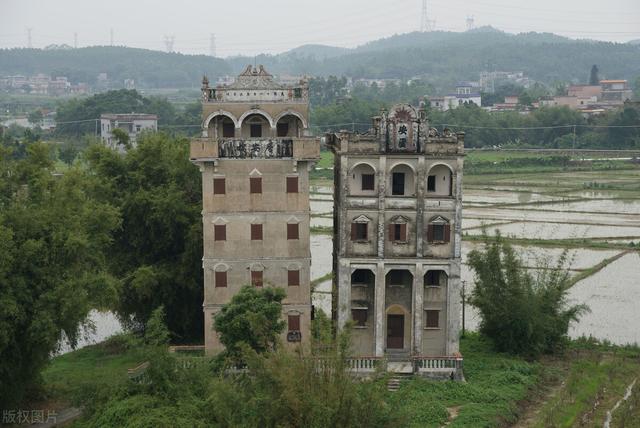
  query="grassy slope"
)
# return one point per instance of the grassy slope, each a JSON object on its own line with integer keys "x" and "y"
{"x": 75, "y": 376}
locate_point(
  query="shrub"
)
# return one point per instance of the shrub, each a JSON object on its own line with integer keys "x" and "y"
{"x": 520, "y": 314}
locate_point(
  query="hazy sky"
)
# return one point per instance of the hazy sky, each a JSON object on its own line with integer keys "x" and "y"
{"x": 251, "y": 26}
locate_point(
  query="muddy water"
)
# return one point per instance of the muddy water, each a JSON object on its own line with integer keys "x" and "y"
{"x": 106, "y": 325}
{"x": 612, "y": 295}
{"x": 558, "y": 231}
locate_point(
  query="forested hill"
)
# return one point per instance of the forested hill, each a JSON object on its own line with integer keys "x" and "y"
{"x": 440, "y": 57}
{"x": 150, "y": 69}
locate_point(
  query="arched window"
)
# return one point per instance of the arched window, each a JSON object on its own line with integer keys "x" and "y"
{"x": 362, "y": 180}
{"x": 440, "y": 181}
{"x": 402, "y": 181}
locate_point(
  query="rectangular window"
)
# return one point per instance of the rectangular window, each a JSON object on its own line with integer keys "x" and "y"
{"x": 398, "y": 232}
{"x": 138, "y": 128}
{"x": 438, "y": 233}
{"x": 219, "y": 186}
{"x": 256, "y": 278}
{"x": 431, "y": 183}
{"x": 292, "y": 231}
{"x": 255, "y": 185}
{"x": 256, "y": 232}
{"x": 397, "y": 183}
{"x": 256, "y": 130}
{"x": 228, "y": 130}
{"x": 432, "y": 318}
{"x": 283, "y": 129}
{"x": 292, "y": 184}
{"x": 359, "y": 231}
{"x": 221, "y": 279}
{"x": 368, "y": 181}
{"x": 359, "y": 317}
{"x": 293, "y": 322}
{"x": 220, "y": 232}
{"x": 293, "y": 278}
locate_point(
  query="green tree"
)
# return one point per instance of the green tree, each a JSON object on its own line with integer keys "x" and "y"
{"x": 53, "y": 239}
{"x": 594, "y": 80}
{"x": 636, "y": 88}
{"x": 158, "y": 250}
{"x": 520, "y": 313}
{"x": 121, "y": 137}
{"x": 252, "y": 318}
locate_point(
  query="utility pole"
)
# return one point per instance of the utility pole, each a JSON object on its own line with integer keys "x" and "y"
{"x": 464, "y": 298}
{"x": 29, "y": 44}
{"x": 574, "y": 142}
{"x": 212, "y": 45}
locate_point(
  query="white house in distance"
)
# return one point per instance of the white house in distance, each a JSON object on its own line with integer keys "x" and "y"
{"x": 132, "y": 124}
{"x": 466, "y": 93}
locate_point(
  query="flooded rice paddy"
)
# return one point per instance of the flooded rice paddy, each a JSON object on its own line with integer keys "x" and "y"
{"x": 596, "y": 225}
{"x": 537, "y": 207}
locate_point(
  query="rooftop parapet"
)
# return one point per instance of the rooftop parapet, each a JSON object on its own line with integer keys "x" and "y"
{"x": 305, "y": 148}
{"x": 403, "y": 130}
{"x": 256, "y": 85}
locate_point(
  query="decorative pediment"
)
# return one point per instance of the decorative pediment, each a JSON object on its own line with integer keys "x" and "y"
{"x": 361, "y": 219}
{"x": 256, "y": 267}
{"x": 439, "y": 220}
{"x": 221, "y": 267}
{"x": 399, "y": 219}
{"x": 255, "y": 173}
{"x": 219, "y": 221}
{"x": 293, "y": 220}
{"x": 294, "y": 266}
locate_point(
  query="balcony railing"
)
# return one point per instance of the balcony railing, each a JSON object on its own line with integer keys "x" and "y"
{"x": 423, "y": 363}
{"x": 255, "y": 148}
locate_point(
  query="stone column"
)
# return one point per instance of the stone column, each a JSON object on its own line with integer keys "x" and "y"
{"x": 418, "y": 308}
{"x": 344, "y": 292}
{"x": 380, "y": 306}
{"x": 454, "y": 308}
{"x": 421, "y": 179}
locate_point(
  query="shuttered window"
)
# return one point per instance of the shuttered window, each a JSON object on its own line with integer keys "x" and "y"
{"x": 359, "y": 317}
{"x": 293, "y": 322}
{"x": 219, "y": 187}
{"x": 256, "y": 232}
{"x": 292, "y": 231}
{"x": 398, "y": 232}
{"x": 359, "y": 232}
{"x": 256, "y": 278}
{"x": 439, "y": 233}
{"x": 220, "y": 232}
{"x": 292, "y": 184}
{"x": 255, "y": 185}
{"x": 432, "y": 319}
{"x": 293, "y": 278}
{"x": 221, "y": 279}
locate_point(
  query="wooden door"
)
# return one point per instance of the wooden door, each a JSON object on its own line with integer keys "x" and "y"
{"x": 395, "y": 331}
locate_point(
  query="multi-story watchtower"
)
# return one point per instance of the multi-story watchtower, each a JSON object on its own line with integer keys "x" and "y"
{"x": 255, "y": 155}
{"x": 397, "y": 240}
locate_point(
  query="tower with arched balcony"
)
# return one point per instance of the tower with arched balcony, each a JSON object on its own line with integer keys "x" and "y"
{"x": 255, "y": 154}
{"x": 397, "y": 241}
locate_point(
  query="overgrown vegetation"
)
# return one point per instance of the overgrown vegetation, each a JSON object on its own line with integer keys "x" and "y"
{"x": 54, "y": 240}
{"x": 520, "y": 313}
